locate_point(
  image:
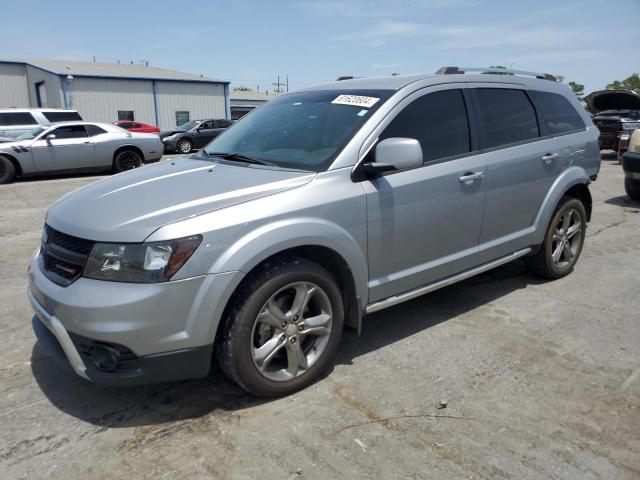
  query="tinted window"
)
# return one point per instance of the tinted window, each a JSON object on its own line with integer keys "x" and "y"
{"x": 438, "y": 121}
{"x": 125, "y": 115}
{"x": 93, "y": 130}
{"x": 222, "y": 123}
{"x": 557, "y": 112}
{"x": 17, "y": 118}
{"x": 72, "y": 131}
{"x": 206, "y": 125}
{"x": 182, "y": 117}
{"x": 507, "y": 116}
{"x": 125, "y": 124}
{"x": 62, "y": 116}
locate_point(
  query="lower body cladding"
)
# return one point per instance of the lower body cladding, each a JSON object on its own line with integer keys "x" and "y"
{"x": 130, "y": 334}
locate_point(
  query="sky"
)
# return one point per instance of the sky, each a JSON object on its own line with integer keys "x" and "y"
{"x": 251, "y": 42}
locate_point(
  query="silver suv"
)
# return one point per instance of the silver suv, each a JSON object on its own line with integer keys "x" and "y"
{"x": 315, "y": 209}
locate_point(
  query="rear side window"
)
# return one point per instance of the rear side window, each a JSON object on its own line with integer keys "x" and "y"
{"x": 72, "y": 131}
{"x": 558, "y": 113}
{"x": 506, "y": 115}
{"x": 17, "y": 118}
{"x": 438, "y": 121}
{"x": 62, "y": 116}
{"x": 93, "y": 130}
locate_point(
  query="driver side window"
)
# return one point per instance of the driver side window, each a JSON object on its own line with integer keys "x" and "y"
{"x": 71, "y": 131}
{"x": 438, "y": 121}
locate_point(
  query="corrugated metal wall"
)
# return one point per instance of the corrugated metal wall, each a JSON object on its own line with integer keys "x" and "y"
{"x": 13, "y": 86}
{"x": 199, "y": 99}
{"x": 51, "y": 83}
{"x": 99, "y": 99}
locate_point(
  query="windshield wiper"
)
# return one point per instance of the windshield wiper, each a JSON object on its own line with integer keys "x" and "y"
{"x": 239, "y": 157}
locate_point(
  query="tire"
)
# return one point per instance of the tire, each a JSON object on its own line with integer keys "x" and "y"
{"x": 266, "y": 341}
{"x": 565, "y": 238}
{"x": 631, "y": 186}
{"x": 7, "y": 170}
{"x": 184, "y": 146}
{"x": 126, "y": 160}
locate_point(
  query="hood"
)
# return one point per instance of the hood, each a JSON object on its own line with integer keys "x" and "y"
{"x": 166, "y": 133}
{"x": 130, "y": 206}
{"x": 612, "y": 100}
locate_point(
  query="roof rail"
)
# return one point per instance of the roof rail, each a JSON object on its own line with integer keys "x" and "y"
{"x": 461, "y": 70}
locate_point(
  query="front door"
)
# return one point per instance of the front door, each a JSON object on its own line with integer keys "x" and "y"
{"x": 204, "y": 134}
{"x": 70, "y": 149}
{"x": 424, "y": 224}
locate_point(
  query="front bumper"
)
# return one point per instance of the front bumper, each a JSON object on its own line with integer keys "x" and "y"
{"x": 170, "y": 145}
{"x": 155, "y": 332}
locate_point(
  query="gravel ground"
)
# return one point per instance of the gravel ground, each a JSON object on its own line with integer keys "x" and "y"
{"x": 541, "y": 380}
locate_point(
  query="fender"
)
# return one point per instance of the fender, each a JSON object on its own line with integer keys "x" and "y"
{"x": 571, "y": 176}
{"x": 268, "y": 240}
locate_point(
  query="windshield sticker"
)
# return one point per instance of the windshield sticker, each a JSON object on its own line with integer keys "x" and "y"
{"x": 356, "y": 100}
{"x": 362, "y": 113}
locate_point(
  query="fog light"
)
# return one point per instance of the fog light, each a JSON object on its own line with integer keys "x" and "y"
{"x": 104, "y": 357}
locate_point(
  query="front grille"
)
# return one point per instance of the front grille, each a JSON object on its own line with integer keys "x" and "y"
{"x": 73, "y": 244}
{"x": 62, "y": 256}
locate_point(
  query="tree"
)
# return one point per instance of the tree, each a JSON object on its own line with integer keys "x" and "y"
{"x": 559, "y": 78}
{"x": 242, "y": 88}
{"x": 632, "y": 83}
{"x": 498, "y": 67}
{"x": 577, "y": 89}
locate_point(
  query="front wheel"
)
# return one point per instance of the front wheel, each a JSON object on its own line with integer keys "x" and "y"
{"x": 185, "y": 145}
{"x": 563, "y": 241}
{"x": 282, "y": 329}
{"x": 7, "y": 170}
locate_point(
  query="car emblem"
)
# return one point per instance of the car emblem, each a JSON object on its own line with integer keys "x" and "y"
{"x": 69, "y": 270}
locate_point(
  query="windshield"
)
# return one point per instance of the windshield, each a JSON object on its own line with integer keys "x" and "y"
{"x": 305, "y": 131}
{"x": 22, "y": 134}
{"x": 190, "y": 125}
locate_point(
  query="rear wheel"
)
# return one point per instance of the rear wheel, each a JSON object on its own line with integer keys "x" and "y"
{"x": 282, "y": 328}
{"x": 563, "y": 241}
{"x": 632, "y": 187}
{"x": 126, "y": 160}
{"x": 185, "y": 145}
{"x": 7, "y": 170}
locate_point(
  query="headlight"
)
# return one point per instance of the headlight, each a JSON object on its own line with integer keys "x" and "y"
{"x": 139, "y": 262}
{"x": 170, "y": 137}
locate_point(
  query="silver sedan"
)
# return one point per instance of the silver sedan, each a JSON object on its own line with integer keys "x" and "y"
{"x": 76, "y": 146}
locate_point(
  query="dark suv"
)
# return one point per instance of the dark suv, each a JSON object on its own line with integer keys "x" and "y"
{"x": 615, "y": 112}
{"x": 193, "y": 135}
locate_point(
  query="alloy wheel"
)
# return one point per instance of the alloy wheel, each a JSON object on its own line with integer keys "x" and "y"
{"x": 567, "y": 239}
{"x": 184, "y": 146}
{"x": 291, "y": 332}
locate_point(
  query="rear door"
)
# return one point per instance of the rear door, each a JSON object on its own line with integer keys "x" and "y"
{"x": 71, "y": 149}
{"x": 521, "y": 166}
{"x": 424, "y": 224}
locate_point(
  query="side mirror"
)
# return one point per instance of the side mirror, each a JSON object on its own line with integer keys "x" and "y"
{"x": 51, "y": 136}
{"x": 393, "y": 154}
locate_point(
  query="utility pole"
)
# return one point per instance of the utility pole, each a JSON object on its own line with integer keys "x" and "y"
{"x": 287, "y": 83}
{"x": 278, "y": 84}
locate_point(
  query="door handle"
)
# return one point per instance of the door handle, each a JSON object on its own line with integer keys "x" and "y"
{"x": 549, "y": 158}
{"x": 469, "y": 177}
{"x": 86, "y": 142}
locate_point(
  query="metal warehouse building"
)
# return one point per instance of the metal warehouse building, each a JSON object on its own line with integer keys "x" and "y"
{"x": 106, "y": 92}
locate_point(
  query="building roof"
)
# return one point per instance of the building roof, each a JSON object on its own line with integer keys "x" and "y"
{"x": 109, "y": 70}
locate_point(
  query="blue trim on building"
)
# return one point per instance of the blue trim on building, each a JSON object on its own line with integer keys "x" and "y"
{"x": 227, "y": 102}
{"x": 155, "y": 101}
{"x": 64, "y": 90}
